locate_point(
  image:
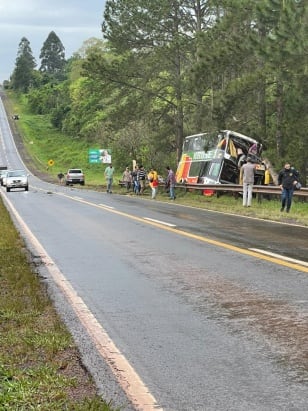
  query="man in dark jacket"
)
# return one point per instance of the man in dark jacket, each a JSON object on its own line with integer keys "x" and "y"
{"x": 170, "y": 183}
{"x": 141, "y": 175}
{"x": 287, "y": 179}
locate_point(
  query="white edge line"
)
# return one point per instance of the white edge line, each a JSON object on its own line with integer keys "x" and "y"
{"x": 125, "y": 374}
{"x": 159, "y": 222}
{"x": 282, "y": 257}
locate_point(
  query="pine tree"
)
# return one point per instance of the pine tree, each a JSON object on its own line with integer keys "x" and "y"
{"x": 157, "y": 43}
{"x": 23, "y": 74}
{"x": 52, "y": 56}
{"x": 284, "y": 55}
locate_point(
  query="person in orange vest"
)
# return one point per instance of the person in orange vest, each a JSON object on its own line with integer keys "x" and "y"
{"x": 153, "y": 182}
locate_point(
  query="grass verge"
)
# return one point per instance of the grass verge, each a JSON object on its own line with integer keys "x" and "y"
{"x": 230, "y": 203}
{"x": 67, "y": 152}
{"x": 39, "y": 364}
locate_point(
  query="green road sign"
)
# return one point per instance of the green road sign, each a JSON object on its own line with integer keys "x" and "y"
{"x": 94, "y": 156}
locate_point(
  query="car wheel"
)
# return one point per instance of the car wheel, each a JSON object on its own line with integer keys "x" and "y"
{"x": 8, "y": 189}
{"x": 27, "y": 188}
{"x": 82, "y": 183}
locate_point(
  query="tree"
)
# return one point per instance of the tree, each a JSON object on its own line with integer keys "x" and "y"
{"x": 170, "y": 68}
{"x": 23, "y": 74}
{"x": 284, "y": 55}
{"x": 52, "y": 56}
{"x": 157, "y": 38}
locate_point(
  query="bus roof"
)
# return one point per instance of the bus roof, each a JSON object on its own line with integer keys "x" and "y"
{"x": 196, "y": 135}
{"x": 235, "y": 134}
{"x": 228, "y": 132}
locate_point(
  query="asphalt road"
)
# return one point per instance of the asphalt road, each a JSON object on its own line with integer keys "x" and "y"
{"x": 201, "y": 318}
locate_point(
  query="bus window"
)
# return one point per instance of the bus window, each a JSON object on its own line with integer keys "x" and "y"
{"x": 195, "y": 168}
{"x": 214, "y": 170}
{"x": 197, "y": 144}
{"x": 213, "y": 158}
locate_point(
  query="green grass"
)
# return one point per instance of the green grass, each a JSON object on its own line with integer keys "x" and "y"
{"x": 267, "y": 210}
{"x": 230, "y": 203}
{"x": 39, "y": 362}
{"x": 44, "y": 143}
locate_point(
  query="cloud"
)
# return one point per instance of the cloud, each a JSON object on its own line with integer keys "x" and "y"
{"x": 74, "y": 21}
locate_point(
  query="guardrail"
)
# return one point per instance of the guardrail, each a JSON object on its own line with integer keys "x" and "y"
{"x": 238, "y": 188}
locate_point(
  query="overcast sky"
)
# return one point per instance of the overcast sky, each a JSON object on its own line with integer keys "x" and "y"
{"x": 73, "y": 21}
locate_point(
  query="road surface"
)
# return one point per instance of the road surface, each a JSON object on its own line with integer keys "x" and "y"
{"x": 173, "y": 308}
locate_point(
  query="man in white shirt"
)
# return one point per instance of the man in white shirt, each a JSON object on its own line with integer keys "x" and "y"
{"x": 248, "y": 178}
{"x": 109, "y": 171}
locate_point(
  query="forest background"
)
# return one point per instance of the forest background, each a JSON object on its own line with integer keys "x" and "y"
{"x": 166, "y": 69}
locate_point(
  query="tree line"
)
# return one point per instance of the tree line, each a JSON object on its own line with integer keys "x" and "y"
{"x": 165, "y": 69}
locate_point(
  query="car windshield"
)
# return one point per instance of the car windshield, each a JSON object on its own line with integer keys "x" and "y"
{"x": 75, "y": 171}
{"x": 16, "y": 173}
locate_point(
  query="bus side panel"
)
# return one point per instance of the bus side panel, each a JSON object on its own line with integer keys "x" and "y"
{"x": 183, "y": 168}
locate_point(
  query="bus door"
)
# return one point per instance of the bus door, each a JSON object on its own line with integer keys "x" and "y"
{"x": 229, "y": 172}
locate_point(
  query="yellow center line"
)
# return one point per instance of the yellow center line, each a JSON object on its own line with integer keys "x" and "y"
{"x": 207, "y": 240}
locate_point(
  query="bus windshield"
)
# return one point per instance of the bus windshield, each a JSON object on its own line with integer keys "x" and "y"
{"x": 201, "y": 142}
{"x": 211, "y": 158}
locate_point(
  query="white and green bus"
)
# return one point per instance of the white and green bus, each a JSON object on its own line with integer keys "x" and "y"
{"x": 216, "y": 158}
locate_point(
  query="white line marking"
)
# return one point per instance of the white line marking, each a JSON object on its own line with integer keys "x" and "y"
{"x": 125, "y": 374}
{"x": 159, "y": 222}
{"x": 282, "y": 257}
{"x": 106, "y": 206}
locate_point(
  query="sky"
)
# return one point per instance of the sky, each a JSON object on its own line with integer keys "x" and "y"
{"x": 73, "y": 21}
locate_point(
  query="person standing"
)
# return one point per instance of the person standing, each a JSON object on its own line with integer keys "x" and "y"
{"x": 136, "y": 187}
{"x": 127, "y": 179}
{"x": 170, "y": 183}
{"x": 248, "y": 178}
{"x": 287, "y": 180}
{"x": 61, "y": 178}
{"x": 109, "y": 171}
{"x": 141, "y": 175}
{"x": 153, "y": 182}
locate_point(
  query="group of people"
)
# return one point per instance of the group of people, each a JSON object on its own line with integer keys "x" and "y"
{"x": 137, "y": 179}
{"x": 288, "y": 181}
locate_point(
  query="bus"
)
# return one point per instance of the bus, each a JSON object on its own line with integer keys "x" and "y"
{"x": 217, "y": 157}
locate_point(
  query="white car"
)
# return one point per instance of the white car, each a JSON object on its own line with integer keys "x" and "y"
{"x": 16, "y": 179}
{"x": 74, "y": 176}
